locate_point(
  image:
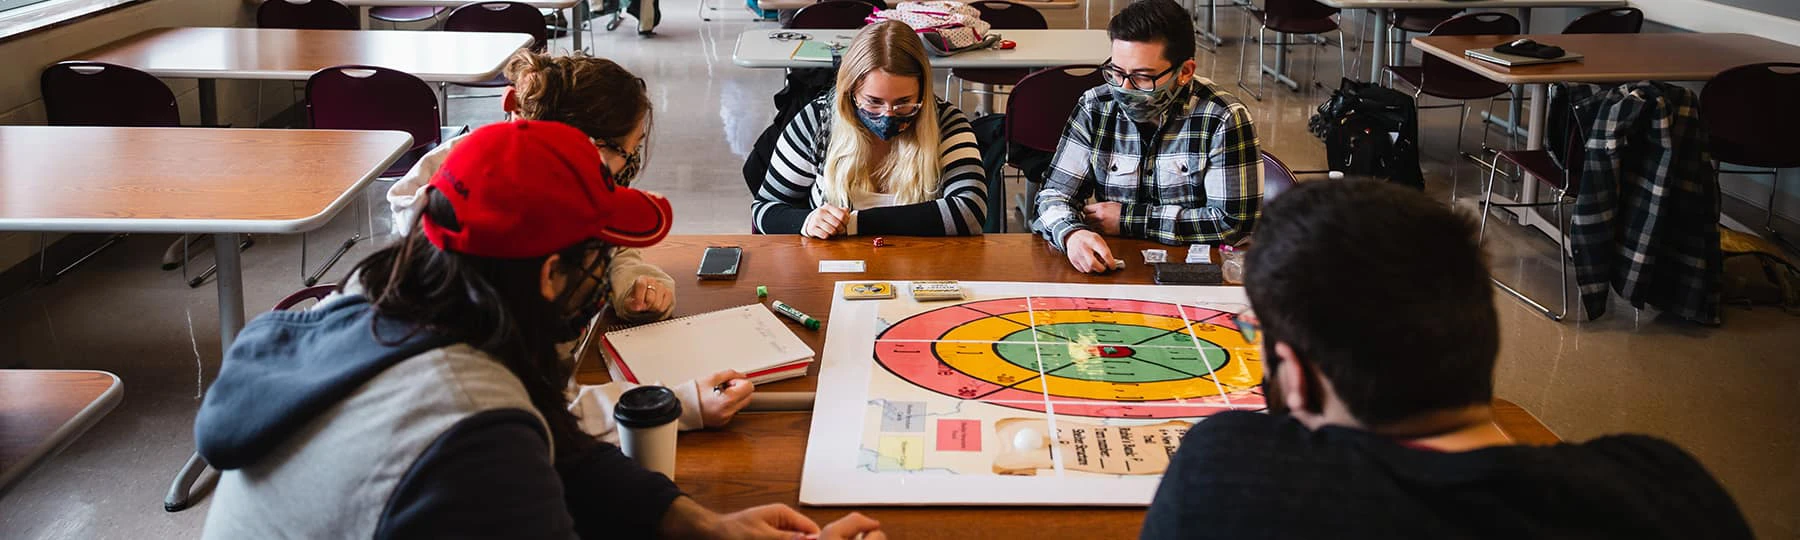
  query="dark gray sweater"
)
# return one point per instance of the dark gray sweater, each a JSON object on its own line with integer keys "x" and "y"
{"x": 1244, "y": 475}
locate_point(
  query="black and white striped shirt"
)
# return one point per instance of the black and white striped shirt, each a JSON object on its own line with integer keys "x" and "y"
{"x": 791, "y": 191}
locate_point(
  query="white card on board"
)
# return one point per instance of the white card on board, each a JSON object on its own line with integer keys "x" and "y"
{"x": 841, "y": 267}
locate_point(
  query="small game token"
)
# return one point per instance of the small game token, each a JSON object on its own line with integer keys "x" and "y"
{"x": 1156, "y": 256}
{"x": 879, "y": 241}
{"x": 762, "y": 291}
{"x": 1118, "y": 264}
{"x": 1028, "y": 439}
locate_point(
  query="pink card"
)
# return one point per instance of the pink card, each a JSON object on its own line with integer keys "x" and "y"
{"x": 959, "y": 435}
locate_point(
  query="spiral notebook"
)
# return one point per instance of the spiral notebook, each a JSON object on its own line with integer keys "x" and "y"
{"x": 747, "y": 338}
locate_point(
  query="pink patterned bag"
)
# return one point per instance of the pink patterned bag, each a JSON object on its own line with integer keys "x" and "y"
{"x": 946, "y": 26}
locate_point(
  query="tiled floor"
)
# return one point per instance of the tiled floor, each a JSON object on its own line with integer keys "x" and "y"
{"x": 1726, "y": 394}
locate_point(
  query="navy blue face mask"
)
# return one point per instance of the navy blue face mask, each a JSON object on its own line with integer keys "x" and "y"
{"x": 885, "y": 126}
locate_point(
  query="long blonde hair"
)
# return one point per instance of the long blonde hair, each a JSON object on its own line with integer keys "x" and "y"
{"x": 912, "y": 165}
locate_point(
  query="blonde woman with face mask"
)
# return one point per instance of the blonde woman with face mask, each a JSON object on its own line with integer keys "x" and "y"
{"x": 879, "y": 155}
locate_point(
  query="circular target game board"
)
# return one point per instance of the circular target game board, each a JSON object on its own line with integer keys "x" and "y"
{"x": 1093, "y": 357}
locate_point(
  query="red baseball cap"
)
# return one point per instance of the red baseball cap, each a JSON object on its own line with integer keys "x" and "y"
{"x": 530, "y": 188}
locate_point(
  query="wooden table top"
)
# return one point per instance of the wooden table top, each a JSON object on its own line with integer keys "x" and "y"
{"x": 1614, "y": 58}
{"x": 757, "y": 459}
{"x": 294, "y": 55}
{"x": 42, "y": 411}
{"x": 184, "y": 180}
{"x": 1036, "y": 49}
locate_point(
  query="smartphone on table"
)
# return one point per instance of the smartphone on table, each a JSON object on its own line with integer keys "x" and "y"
{"x": 720, "y": 262}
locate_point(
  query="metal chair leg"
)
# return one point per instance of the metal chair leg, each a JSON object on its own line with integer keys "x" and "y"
{"x": 210, "y": 270}
{"x": 45, "y": 277}
{"x": 180, "y": 492}
{"x": 1562, "y": 246}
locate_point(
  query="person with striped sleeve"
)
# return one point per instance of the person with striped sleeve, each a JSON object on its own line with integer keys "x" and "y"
{"x": 878, "y": 155}
{"x": 1163, "y": 154}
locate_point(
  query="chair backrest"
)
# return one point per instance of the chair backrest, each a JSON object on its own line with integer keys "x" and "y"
{"x": 1625, "y": 20}
{"x": 101, "y": 94}
{"x": 315, "y": 292}
{"x": 1471, "y": 24}
{"x": 1467, "y": 24}
{"x": 832, "y": 15}
{"x": 1003, "y": 15}
{"x": 1297, "y": 9}
{"x": 1277, "y": 177}
{"x": 1040, "y": 105}
{"x": 306, "y": 15}
{"x": 373, "y": 98}
{"x": 1749, "y": 114}
{"x": 509, "y": 17}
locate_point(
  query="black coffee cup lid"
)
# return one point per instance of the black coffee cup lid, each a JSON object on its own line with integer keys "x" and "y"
{"x": 647, "y": 406}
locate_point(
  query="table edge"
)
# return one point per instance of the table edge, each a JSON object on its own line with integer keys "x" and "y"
{"x": 1478, "y": 4}
{"x": 1485, "y": 69}
{"x": 296, "y": 75}
{"x": 942, "y": 62}
{"x": 69, "y": 431}
{"x": 203, "y": 226}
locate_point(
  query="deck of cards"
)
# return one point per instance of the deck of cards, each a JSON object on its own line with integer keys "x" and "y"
{"x": 880, "y": 290}
{"x": 928, "y": 291}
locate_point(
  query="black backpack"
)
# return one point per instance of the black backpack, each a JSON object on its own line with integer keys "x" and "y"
{"x": 803, "y": 86}
{"x": 1371, "y": 131}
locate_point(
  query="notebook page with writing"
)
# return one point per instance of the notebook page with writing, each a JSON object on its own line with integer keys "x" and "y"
{"x": 749, "y": 339}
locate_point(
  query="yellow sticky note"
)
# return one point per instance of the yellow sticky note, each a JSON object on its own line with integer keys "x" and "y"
{"x": 900, "y": 453}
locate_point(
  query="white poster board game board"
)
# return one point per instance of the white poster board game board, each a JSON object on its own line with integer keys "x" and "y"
{"x": 1021, "y": 393}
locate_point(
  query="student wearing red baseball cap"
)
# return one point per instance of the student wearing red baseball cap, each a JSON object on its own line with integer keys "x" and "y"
{"x": 425, "y": 397}
{"x": 611, "y": 106}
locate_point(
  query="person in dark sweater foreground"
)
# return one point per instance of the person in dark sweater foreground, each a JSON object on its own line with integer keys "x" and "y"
{"x": 1379, "y": 335}
{"x": 424, "y": 399}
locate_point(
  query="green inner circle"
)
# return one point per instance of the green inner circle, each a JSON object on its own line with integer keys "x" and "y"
{"x": 1158, "y": 354}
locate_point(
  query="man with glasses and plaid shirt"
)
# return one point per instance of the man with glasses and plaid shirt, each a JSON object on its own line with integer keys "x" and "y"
{"x": 1164, "y": 154}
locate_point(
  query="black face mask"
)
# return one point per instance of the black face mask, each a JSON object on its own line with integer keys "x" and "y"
{"x": 580, "y": 311}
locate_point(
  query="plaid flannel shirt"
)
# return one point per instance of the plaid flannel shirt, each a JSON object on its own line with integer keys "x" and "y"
{"x": 1196, "y": 179}
{"x": 1647, "y": 206}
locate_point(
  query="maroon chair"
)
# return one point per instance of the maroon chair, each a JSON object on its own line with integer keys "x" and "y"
{"x": 102, "y": 94}
{"x": 1748, "y": 113}
{"x": 1418, "y": 21}
{"x": 832, "y": 15}
{"x": 311, "y": 292}
{"x": 371, "y": 98}
{"x": 1563, "y": 176}
{"x": 1625, "y": 20}
{"x": 1439, "y": 78}
{"x": 376, "y": 98}
{"x": 1036, "y": 113}
{"x": 306, "y": 15}
{"x": 506, "y": 17}
{"x": 1290, "y": 17}
{"x": 1000, "y": 15}
{"x": 1277, "y": 177}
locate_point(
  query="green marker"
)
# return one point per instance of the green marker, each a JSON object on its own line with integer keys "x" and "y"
{"x": 795, "y": 314}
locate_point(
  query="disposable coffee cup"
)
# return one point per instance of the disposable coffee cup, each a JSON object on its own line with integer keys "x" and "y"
{"x": 647, "y": 416}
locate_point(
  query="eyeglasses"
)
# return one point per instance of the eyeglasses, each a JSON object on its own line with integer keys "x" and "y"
{"x": 1248, "y": 326}
{"x": 1116, "y": 76}
{"x": 901, "y": 109}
